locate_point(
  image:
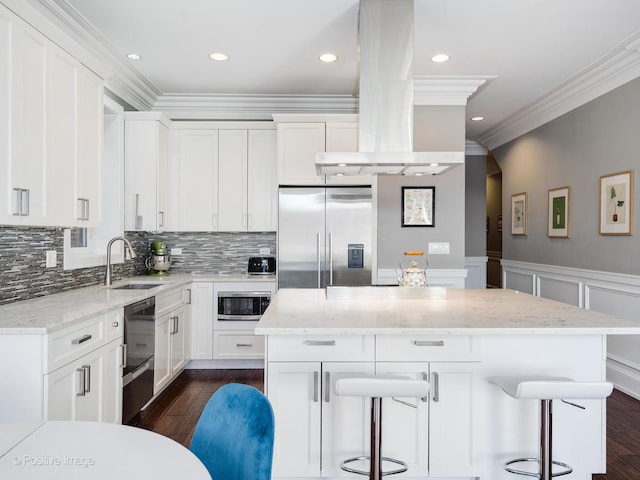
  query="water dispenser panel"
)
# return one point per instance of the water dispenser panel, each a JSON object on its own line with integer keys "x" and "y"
{"x": 355, "y": 255}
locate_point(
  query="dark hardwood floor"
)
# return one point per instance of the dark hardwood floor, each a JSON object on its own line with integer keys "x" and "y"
{"x": 176, "y": 412}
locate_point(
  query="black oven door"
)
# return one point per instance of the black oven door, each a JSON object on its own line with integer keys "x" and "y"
{"x": 242, "y": 306}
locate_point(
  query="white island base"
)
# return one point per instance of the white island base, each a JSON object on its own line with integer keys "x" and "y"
{"x": 468, "y": 427}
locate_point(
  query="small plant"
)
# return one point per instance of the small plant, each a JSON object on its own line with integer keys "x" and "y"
{"x": 616, "y": 203}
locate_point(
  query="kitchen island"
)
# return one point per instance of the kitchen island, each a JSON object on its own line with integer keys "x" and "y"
{"x": 467, "y": 427}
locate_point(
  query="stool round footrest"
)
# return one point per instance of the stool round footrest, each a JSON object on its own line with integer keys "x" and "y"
{"x": 568, "y": 468}
{"x": 403, "y": 466}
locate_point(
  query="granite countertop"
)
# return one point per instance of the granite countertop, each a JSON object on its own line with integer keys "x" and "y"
{"x": 50, "y": 313}
{"x": 438, "y": 311}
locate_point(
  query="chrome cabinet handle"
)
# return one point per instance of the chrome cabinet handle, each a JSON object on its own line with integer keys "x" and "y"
{"x": 188, "y": 290}
{"x": 435, "y": 380}
{"x": 244, "y": 344}
{"x": 83, "y": 204}
{"x": 316, "y": 343}
{"x": 315, "y": 387}
{"x": 87, "y": 374}
{"x": 138, "y": 217}
{"x": 161, "y": 219}
{"x": 80, "y": 392}
{"x": 174, "y": 325}
{"x": 425, "y": 377}
{"x": 249, "y": 222}
{"x": 327, "y": 387}
{"x": 123, "y": 355}
{"x": 17, "y": 201}
{"x": 215, "y": 220}
{"x": 82, "y": 339}
{"x": 115, "y": 324}
{"x": 24, "y": 207}
{"x": 428, "y": 343}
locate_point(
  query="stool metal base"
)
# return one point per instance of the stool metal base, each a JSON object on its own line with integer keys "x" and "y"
{"x": 403, "y": 466}
{"x": 568, "y": 468}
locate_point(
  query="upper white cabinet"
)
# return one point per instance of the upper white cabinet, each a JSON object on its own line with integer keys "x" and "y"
{"x": 300, "y": 137}
{"x": 50, "y": 130}
{"x": 226, "y": 176}
{"x": 146, "y": 150}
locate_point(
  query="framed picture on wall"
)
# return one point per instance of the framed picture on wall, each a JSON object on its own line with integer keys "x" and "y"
{"x": 559, "y": 220}
{"x": 418, "y": 206}
{"x": 616, "y": 203}
{"x": 519, "y": 214}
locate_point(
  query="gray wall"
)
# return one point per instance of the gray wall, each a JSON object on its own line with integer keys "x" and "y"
{"x": 596, "y": 139}
{"x": 435, "y": 129}
{"x": 475, "y": 205}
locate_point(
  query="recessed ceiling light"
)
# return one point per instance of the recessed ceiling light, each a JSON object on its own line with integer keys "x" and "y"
{"x": 479, "y": 118}
{"x": 441, "y": 57}
{"x": 218, "y": 56}
{"x": 328, "y": 57}
{"x": 133, "y": 56}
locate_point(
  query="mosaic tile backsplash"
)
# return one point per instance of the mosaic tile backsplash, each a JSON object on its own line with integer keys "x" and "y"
{"x": 22, "y": 258}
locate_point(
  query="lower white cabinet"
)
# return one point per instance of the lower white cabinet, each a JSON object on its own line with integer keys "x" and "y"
{"x": 202, "y": 320}
{"x": 172, "y": 339}
{"x": 89, "y": 389}
{"x": 237, "y": 345}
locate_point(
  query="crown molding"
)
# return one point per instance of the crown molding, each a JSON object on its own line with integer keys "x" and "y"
{"x": 250, "y": 107}
{"x": 472, "y": 148}
{"x": 619, "y": 66}
{"x": 445, "y": 90}
{"x": 119, "y": 75}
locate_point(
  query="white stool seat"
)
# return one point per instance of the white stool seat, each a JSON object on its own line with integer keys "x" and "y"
{"x": 550, "y": 388}
{"x": 379, "y": 386}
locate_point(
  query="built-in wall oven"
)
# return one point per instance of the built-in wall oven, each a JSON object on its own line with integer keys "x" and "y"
{"x": 139, "y": 340}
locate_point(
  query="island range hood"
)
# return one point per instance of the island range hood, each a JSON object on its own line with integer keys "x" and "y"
{"x": 386, "y": 100}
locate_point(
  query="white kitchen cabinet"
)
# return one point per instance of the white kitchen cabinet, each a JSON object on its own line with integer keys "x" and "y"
{"x": 262, "y": 181}
{"x": 232, "y": 180}
{"x": 237, "y": 345}
{"x": 88, "y": 388}
{"x": 198, "y": 180}
{"x": 202, "y": 320}
{"x": 5, "y": 114}
{"x": 146, "y": 151}
{"x": 172, "y": 337}
{"x": 298, "y": 143}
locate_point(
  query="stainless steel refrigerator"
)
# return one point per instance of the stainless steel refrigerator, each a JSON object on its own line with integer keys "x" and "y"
{"x": 324, "y": 236}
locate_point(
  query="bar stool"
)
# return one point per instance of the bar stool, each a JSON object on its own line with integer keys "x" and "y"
{"x": 546, "y": 389}
{"x": 378, "y": 387}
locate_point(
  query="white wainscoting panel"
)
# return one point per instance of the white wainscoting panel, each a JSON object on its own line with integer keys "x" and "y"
{"x": 606, "y": 292}
{"x": 436, "y": 277}
{"x": 476, "y": 272}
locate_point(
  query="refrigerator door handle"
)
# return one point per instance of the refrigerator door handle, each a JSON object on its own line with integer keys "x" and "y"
{"x": 318, "y": 257}
{"x": 330, "y": 260}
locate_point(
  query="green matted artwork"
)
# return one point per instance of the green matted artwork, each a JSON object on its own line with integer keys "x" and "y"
{"x": 616, "y": 203}
{"x": 519, "y": 214}
{"x": 559, "y": 218}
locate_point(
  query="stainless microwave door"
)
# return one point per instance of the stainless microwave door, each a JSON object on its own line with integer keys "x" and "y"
{"x": 348, "y": 235}
{"x": 301, "y": 239}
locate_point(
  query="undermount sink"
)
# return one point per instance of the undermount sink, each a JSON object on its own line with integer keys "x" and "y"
{"x": 136, "y": 286}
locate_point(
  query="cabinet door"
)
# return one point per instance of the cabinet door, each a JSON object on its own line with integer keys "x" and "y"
{"x": 298, "y": 144}
{"x": 5, "y": 117}
{"x": 294, "y": 392}
{"x": 202, "y": 321}
{"x": 87, "y": 389}
{"x": 405, "y": 426}
{"x": 345, "y": 420}
{"x": 161, "y": 176}
{"x": 198, "y": 184}
{"x": 232, "y": 181}
{"x": 90, "y": 134}
{"x": 343, "y": 137}
{"x": 162, "y": 355}
{"x": 28, "y": 114}
{"x": 61, "y": 128}
{"x": 179, "y": 329}
{"x": 452, "y": 418}
{"x": 262, "y": 181}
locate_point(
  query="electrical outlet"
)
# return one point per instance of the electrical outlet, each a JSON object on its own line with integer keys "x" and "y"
{"x": 265, "y": 251}
{"x": 438, "y": 248}
{"x": 176, "y": 251}
{"x": 51, "y": 258}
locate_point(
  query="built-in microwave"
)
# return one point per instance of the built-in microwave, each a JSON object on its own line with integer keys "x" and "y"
{"x": 242, "y": 306}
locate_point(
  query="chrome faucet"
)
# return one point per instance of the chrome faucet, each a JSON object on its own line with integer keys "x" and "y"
{"x": 132, "y": 253}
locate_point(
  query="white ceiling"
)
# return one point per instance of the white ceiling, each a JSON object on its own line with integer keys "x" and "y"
{"x": 543, "y": 54}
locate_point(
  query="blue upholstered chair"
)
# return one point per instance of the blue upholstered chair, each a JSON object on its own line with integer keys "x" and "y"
{"x": 234, "y": 435}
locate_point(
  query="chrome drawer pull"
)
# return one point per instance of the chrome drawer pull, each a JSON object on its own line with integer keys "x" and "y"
{"x": 316, "y": 343}
{"x": 428, "y": 343}
{"x": 244, "y": 344}
{"x": 82, "y": 339}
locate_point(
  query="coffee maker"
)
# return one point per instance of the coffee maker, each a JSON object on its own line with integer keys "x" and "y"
{"x": 159, "y": 261}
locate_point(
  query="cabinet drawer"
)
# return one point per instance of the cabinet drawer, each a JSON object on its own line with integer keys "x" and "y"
{"x": 114, "y": 325}
{"x": 168, "y": 301}
{"x": 73, "y": 342}
{"x": 321, "y": 347}
{"x": 237, "y": 345}
{"x": 427, "y": 348}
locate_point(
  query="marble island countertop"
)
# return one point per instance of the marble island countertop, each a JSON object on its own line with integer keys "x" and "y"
{"x": 50, "y": 313}
{"x": 393, "y": 310}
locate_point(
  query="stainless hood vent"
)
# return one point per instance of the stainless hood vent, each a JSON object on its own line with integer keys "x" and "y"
{"x": 386, "y": 99}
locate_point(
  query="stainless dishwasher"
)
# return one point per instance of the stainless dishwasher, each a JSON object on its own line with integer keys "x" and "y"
{"x": 139, "y": 340}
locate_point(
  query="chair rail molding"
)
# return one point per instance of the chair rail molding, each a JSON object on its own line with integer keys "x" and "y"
{"x": 607, "y": 292}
